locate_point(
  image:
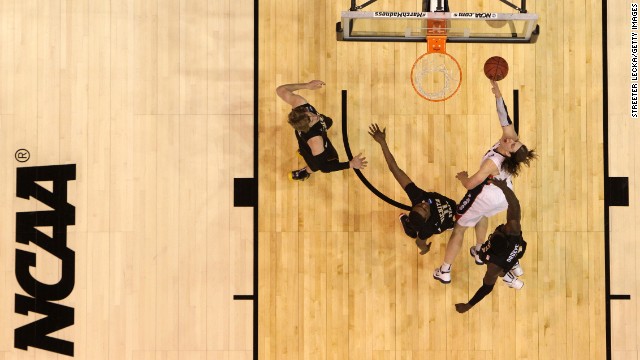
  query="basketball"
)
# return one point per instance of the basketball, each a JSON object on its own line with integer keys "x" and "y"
{"x": 496, "y": 68}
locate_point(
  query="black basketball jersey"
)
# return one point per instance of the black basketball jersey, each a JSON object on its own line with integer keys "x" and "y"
{"x": 503, "y": 249}
{"x": 318, "y": 129}
{"x": 442, "y": 210}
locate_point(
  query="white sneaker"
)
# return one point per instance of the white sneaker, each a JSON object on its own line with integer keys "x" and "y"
{"x": 517, "y": 270}
{"x": 476, "y": 257}
{"x": 442, "y": 276}
{"x": 512, "y": 281}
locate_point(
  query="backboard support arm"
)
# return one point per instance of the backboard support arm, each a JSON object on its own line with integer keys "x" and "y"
{"x": 355, "y": 7}
{"x": 441, "y": 5}
{"x": 523, "y": 5}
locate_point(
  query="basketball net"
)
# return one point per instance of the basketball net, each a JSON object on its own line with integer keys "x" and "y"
{"x": 436, "y": 75}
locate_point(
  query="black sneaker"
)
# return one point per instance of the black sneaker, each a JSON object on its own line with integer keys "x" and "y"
{"x": 404, "y": 220}
{"x": 300, "y": 175}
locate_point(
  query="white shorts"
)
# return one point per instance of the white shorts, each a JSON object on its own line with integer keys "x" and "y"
{"x": 487, "y": 203}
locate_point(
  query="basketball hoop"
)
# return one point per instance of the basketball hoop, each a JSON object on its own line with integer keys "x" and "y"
{"x": 436, "y": 75}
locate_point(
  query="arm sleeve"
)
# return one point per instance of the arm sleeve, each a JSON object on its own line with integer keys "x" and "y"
{"x": 330, "y": 166}
{"x": 503, "y": 115}
{"x": 481, "y": 293}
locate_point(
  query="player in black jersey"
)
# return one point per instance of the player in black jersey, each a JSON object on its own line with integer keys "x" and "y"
{"x": 311, "y": 131}
{"x": 501, "y": 251}
{"x": 431, "y": 213}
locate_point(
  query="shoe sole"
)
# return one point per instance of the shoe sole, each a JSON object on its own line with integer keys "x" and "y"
{"x": 442, "y": 281}
{"x": 474, "y": 258}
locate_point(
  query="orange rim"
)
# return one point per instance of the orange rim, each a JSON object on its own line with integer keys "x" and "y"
{"x": 436, "y": 100}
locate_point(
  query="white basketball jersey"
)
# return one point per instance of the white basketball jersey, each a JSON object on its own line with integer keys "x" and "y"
{"x": 498, "y": 159}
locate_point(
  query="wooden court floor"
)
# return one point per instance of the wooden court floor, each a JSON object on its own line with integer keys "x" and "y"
{"x": 151, "y": 102}
{"x": 338, "y": 277}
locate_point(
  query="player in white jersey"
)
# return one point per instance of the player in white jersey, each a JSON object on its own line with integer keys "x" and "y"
{"x": 483, "y": 199}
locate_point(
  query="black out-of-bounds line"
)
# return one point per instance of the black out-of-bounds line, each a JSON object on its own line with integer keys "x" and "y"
{"x": 256, "y": 82}
{"x": 605, "y": 164}
{"x": 345, "y": 140}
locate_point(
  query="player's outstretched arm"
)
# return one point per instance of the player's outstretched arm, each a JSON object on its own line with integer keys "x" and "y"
{"x": 508, "y": 130}
{"x": 381, "y": 138}
{"x": 487, "y": 168}
{"x": 358, "y": 162}
{"x": 513, "y": 211}
{"x": 285, "y": 92}
{"x": 489, "y": 280}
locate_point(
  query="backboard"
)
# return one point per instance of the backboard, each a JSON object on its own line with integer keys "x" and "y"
{"x": 461, "y": 27}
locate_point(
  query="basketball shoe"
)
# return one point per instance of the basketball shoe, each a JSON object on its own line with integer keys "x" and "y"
{"x": 442, "y": 276}
{"x": 512, "y": 281}
{"x": 517, "y": 270}
{"x": 299, "y": 175}
{"x": 475, "y": 255}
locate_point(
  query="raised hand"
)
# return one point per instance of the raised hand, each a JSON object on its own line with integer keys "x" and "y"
{"x": 379, "y": 136}
{"x": 315, "y": 84}
{"x": 495, "y": 89}
{"x": 358, "y": 162}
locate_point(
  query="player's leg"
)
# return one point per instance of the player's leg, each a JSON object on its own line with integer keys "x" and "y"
{"x": 481, "y": 235}
{"x": 481, "y": 230}
{"x": 454, "y": 244}
{"x": 443, "y": 272}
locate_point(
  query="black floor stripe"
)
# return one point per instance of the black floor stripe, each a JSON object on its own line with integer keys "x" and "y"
{"x": 619, "y": 297}
{"x": 256, "y": 161}
{"x": 243, "y": 297}
{"x": 616, "y": 191}
{"x": 245, "y": 192}
{"x": 347, "y": 148}
{"x": 605, "y": 164}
